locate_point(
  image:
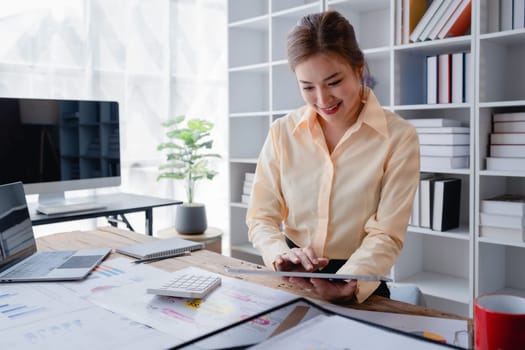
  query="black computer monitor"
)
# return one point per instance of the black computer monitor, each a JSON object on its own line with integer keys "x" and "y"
{"x": 58, "y": 145}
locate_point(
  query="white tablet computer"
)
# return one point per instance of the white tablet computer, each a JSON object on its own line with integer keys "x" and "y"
{"x": 332, "y": 276}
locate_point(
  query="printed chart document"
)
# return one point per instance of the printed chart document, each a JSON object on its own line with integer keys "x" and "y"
{"x": 185, "y": 318}
{"x": 115, "y": 273}
{"x": 48, "y": 316}
{"x": 23, "y": 303}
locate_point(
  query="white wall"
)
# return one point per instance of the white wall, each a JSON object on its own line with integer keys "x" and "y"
{"x": 158, "y": 58}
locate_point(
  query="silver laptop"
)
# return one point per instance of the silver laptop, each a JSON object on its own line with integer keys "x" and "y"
{"x": 19, "y": 260}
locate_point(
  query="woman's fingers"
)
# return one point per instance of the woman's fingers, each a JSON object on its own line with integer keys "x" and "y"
{"x": 292, "y": 256}
{"x": 303, "y": 283}
{"x": 299, "y": 259}
{"x": 334, "y": 291}
{"x": 307, "y": 258}
{"x": 328, "y": 290}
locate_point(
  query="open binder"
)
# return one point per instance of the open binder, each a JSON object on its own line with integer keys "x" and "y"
{"x": 301, "y": 321}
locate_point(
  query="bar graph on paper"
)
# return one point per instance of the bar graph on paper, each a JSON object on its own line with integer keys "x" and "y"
{"x": 88, "y": 328}
{"x": 22, "y": 303}
{"x": 103, "y": 273}
{"x": 10, "y": 309}
{"x": 45, "y": 333}
{"x": 106, "y": 271}
{"x": 112, "y": 274}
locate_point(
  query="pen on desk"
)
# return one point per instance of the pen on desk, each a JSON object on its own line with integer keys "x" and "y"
{"x": 150, "y": 260}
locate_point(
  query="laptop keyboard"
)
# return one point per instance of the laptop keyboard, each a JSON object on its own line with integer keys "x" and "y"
{"x": 80, "y": 262}
{"x": 40, "y": 264}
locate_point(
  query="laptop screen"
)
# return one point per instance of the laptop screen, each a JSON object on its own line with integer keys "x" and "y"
{"x": 17, "y": 240}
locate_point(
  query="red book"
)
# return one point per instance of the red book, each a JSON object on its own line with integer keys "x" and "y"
{"x": 459, "y": 23}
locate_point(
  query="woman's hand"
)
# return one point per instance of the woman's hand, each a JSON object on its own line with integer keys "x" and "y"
{"x": 332, "y": 291}
{"x": 304, "y": 259}
{"x": 299, "y": 259}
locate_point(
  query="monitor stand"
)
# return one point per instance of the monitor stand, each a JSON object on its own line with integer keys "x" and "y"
{"x": 56, "y": 203}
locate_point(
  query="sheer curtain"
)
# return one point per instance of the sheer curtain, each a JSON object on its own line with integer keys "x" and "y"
{"x": 158, "y": 58}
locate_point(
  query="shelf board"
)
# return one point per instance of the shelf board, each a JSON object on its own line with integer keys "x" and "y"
{"x": 377, "y": 53}
{"x": 507, "y": 37}
{"x": 298, "y": 11}
{"x": 239, "y": 205}
{"x": 514, "y": 103}
{"x": 361, "y": 5}
{"x": 277, "y": 63}
{"x": 501, "y": 242}
{"x": 502, "y": 173}
{"x": 244, "y": 160}
{"x": 511, "y": 291}
{"x": 435, "y": 47}
{"x": 446, "y": 171}
{"x": 249, "y": 115}
{"x": 251, "y": 68}
{"x": 461, "y": 232}
{"x": 425, "y": 106}
{"x": 282, "y": 111}
{"x": 440, "y": 285}
{"x": 257, "y": 23}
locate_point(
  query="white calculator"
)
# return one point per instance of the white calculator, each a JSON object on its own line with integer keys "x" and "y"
{"x": 187, "y": 286}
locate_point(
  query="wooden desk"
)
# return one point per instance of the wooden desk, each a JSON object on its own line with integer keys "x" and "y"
{"x": 113, "y": 237}
{"x": 117, "y": 204}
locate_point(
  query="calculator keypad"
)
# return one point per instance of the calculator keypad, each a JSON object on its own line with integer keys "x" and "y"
{"x": 187, "y": 286}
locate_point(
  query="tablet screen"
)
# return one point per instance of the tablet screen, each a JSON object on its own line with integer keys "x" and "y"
{"x": 332, "y": 276}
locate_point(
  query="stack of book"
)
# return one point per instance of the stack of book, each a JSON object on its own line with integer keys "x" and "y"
{"x": 507, "y": 142}
{"x": 442, "y": 19}
{"x": 503, "y": 217}
{"x": 247, "y": 187}
{"x": 449, "y": 78}
{"x": 444, "y": 143}
{"x": 408, "y": 14}
{"x": 506, "y": 15}
{"x": 437, "y": 203}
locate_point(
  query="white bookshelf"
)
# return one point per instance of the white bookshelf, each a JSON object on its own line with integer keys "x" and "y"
{"x": 261, "y": 89}
{"x": 497, "y": 262}
{"x": 451, "y": 267}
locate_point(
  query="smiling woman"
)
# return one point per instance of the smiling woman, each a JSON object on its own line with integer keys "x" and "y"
{"x": 334, "y": 89}
{"x": 340, "y": 172}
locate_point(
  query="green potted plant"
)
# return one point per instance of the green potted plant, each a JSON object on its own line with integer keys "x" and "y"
{"x": 187, "y": 155}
